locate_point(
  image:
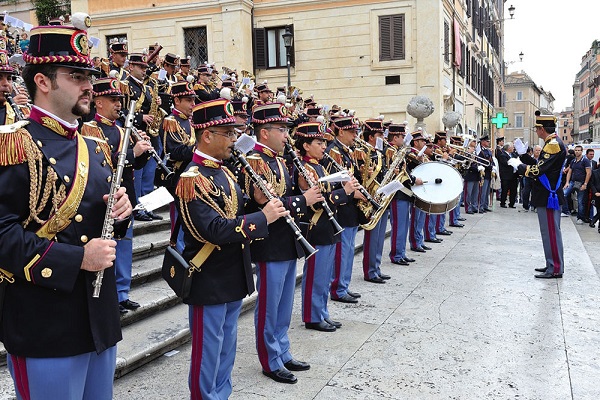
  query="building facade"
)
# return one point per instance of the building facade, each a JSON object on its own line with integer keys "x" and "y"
{"x": 565, "y": 125}
{"x": 586, "y": 96}
{"x": 366, "y": 55}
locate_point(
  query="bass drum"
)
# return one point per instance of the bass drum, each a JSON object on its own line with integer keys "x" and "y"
{"x": 441, "y": 188}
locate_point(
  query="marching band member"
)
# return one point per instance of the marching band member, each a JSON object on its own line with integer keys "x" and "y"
{"x": 276, "y": 255}
{"x": 107, "y": 100}
{"x": 454, "y": 214}
{"x": 400, "y": 205}
{"x": 7, "y": 114}
{"x": 348, "y": 215}
{"x": 486, "y": 153}
{"x": 118, "y": 57}
{"x": 442, "y": 149}
{"x": 212, "y": 207}
{"x": 184, "y": 69}
{"x": 54, "y": 330}
{"x": 417, "y": 216}
{"x": 317, "y": 275}
{"x": 374, "y": 239}
{"x": 179, "y": 142}
{"x": 143, "y": 95}
{"x": 203, "y": 88}
{"x": 472, "y": 178}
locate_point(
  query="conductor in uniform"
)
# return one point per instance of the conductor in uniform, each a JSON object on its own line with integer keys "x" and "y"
{"x": 215, "y": 226}
{"x": 60, "y": 340}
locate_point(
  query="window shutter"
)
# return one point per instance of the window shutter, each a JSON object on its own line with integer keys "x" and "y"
{"x": 260, "y": 48}
{"x": 385, "y": 38}
{"x": 398, "y": 37}
{"x": 447, "y": 42}
{"x": 293, "y": 49}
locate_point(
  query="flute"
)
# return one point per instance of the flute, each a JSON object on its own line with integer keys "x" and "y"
{"x": 260, "y": 183}
{"x": 336, "y": 226}
{"x": 137, "y": 136}
{"x": 107, "y": 229}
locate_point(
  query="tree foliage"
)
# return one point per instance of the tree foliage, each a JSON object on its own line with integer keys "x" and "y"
{"x": 45, "y": 10}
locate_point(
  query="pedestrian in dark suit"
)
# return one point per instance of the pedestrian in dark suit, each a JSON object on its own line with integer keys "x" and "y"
{"x": 53, "y": 328}
{"x": 212, "y": 209}
{"x": 508, "y": 177}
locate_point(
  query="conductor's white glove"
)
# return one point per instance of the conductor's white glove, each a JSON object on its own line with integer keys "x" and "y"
{"x": 520, "y": 147}
{"x": 480, "y": 168}
{"x": 514, "y": 162}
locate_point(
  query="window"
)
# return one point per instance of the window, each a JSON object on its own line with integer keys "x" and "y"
{"x": 269, "y": 48}
{"x": 519, "y": 95}
{"x": 391, "y": 37}
{"x": 120, "y": 38}
{"x": 518, "y": 121}
{"x": 447, "y": 42}
{"x": 196, "y": 45}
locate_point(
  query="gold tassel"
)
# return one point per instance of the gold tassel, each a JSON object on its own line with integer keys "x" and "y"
{"x": 257, "y": 164}
{"x": 337, "y": 156}
{"x": 91, "y": 130}
{"x": 186, "y": 188}
{"x": 169, "y": 124}
{"x": 13, "y": 147}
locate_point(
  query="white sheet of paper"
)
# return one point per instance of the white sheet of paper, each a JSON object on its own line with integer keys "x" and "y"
{"x": 155, "y": 199}
{"x": 162, "y": 74}
{"x": 245, "y": 144}
{"x": 379, "y": 144}
{"x": 341, "y": 176}
{"x": 390, "y": 188}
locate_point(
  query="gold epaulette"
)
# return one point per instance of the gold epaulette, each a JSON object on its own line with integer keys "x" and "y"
{"x": 389, "y": 153}
{"x": 336, "y": 155}
{"x": 199, "y": 86}
{"x": 186, "y": 187}
{"x": 16, "y": 144}
{"x": 170, "y": 124}
{"x": 257, "y": 163}
{"x": 552, "y": 147}
{"x": 91, "y": 130}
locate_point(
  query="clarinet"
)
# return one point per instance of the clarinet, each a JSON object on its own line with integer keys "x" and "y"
{"x": 336, "y": 226}
{"x": 137, "y": 136}
{"x": 361, "y": 189}
{"x": 260, "y": 183}
{"x": 18, "y": 113}
{"x": 107, "y": 229}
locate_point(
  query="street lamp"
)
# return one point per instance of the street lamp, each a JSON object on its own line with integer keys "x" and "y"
{"x": 511, "y": 12}
{"x": 288, "y": 41}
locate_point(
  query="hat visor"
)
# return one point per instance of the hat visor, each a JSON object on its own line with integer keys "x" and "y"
{"x": 94, "y": 71}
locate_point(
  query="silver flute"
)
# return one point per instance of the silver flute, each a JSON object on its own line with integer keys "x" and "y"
{"x": 107, "y": 229}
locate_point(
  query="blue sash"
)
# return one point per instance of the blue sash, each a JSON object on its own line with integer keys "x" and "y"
{"x": 552, "y": 198}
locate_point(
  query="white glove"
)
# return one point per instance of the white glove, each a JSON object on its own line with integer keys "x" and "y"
{"x": 495, "y": 170}
{"x": 520, "y": 146}
{"x": 480, "y": 168}
{"x": 514, "y": 162}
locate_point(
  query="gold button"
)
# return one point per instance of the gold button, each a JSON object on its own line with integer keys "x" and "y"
{"x": 67, "y": 179}
{"x": 242, "y": 246}
{"x": 46, "y": 272}
{"x": 109, "y": 178}
{"x": 97, "y": 149}
{"x": 52, "y": 160}
{"x": 103, "y": 163}
{"x": 78, "y": 218}
{"x": 84, "y": 238}
{"x": 39, "y": 143}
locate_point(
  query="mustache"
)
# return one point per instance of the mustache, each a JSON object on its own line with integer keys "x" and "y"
{"x": 86, "y": 94}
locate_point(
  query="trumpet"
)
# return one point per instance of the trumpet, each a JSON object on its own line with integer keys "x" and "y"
{"x": 470, "y": 157}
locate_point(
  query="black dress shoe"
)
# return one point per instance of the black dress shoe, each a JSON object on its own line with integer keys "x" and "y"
{"x": 541, "y": 269}
{"x": 487, "y": 209}
{"x": 457, "y": 225}
{"x": 154, "y": 216}
{"x": 418, "y": 250}
{"x": 336, "y": 324}
{"x": 592, "y": 225}
{"x": 353, "y": 294}
{"x": 400, "y": 262}
{"x": 375, "y": 280}
{"x": 503, "y": 206}
{"x": 409, "y": 260}
{"x": 513, "y": 206}
{"x": 444, "y": 233}
{"x": 345, "y": 299}
{"x": 295, "y": 365}
{"x": 548, "y": 276}
{"x": 141, "y": 216}
{"x": 281, "y": 375}
{"x": 130, "y": 305}
{"x": 320, "y": 326}
{"x": 385, "y": 277}
{"x": 425, "y": 247}
{"x": 436, "y": 240}
{"x": 122, "y": 310}
{"x": 461, "y": 219}
{"x": 471, "y": 212}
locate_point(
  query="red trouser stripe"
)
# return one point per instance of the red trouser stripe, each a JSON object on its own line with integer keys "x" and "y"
{"x": 263, "y": 356}
{"x": 552, "y": 234}
{"x": 366, "y": 255}
{"x": 394, "y": 228}
{"x": 337, "y": 269}
{"x": 308, "y": 289}
{"x": 21, "y": 379}
{"x": 197, "y": 339}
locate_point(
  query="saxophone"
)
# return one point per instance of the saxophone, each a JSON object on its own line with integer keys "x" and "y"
{"x": 158, "y": 113}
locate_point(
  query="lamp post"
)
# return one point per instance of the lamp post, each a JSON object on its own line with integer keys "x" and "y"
{"x": 288, "y": 41}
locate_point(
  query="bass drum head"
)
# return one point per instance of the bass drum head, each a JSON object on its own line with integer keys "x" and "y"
{"x": 441, "y": 189}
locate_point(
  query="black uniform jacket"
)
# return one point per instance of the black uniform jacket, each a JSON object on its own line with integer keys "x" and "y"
{"x": 212, "y": 208}
{"x": 205, "y": 94}
{"x": 281, "y": 244}
{"x": 49, "y": 310}
{"x": 178, "y": 139}
{"x": 321, "y": 231}
{"x": 487, "y": 154}
{"x": 551, "y": 163}
{"x": 348, "y": 215}
{"x": 506, "y": 171}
